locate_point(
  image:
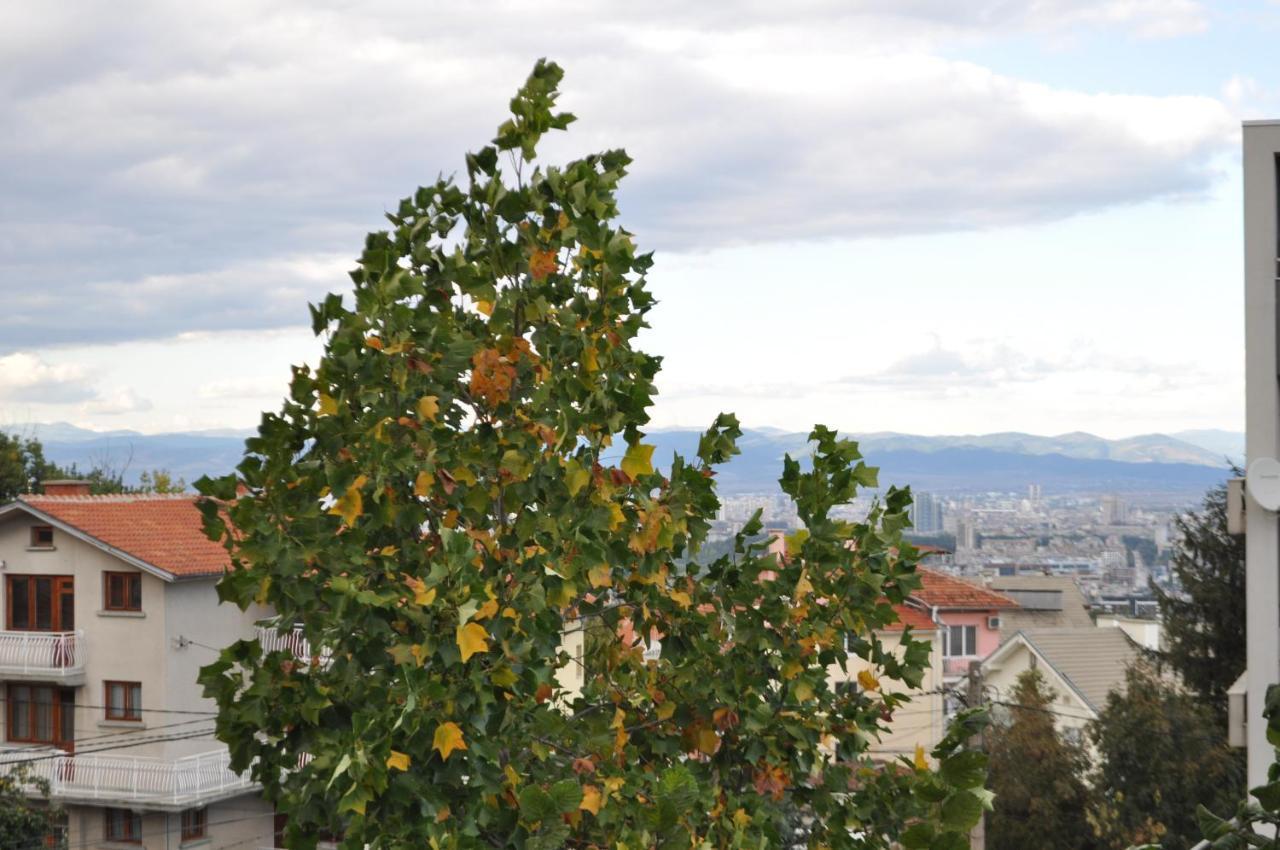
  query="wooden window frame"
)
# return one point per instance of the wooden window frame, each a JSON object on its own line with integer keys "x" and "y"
{"x": 35, "y": 531}
{"x": 195, "y": 823}
{"x": 60, "y": 585}
{"x": 132, "y": 712}
{"x": 132, "y": 582}
{"x": 130, "y": 820}
{"x": 57, "y": 705}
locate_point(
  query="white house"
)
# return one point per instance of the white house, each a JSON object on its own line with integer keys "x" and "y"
{"x": 109, "y": 612}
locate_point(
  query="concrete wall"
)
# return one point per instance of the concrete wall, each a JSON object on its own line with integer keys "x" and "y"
{"x": 1262, "y": 425}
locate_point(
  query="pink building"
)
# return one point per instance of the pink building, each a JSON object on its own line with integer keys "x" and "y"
{"x": 968, "y": 617}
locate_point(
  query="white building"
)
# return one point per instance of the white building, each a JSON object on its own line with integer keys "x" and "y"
{"x": 1262, "y": 427}
{"x": 110, "y": 610}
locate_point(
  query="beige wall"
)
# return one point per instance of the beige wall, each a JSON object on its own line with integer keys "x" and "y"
{"x": 1071, "y": 713}
{"x": 918, "y": 722}
{"x": 244, "y": 822}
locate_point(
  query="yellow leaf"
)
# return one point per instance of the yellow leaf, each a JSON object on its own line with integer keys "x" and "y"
{"x": 485, "y": 307}
{"x": 868, "y": 681}
{"x": 465, "y": 475}
{"x": 741, "y": 819}
{"x": 503, "y": 677}
{"x": 398, "y": 761}
{"x": 428, "y": 407}
{"x": 422, "y": 594}
{"x": 599, "y": 576}
{"x": 486, "y": 610}
{"x": 921, "y": 762}
{"x": 472, "y": 638}
{"x": 590, "y": 362}
{"x": 448, "y": 738}
{"x": 512, "y": 776}
{"x": 388, "y": 551}
{"x": 422, "y": 484}
{"x": 791, "y": 669}
{"x": 576, "y": 476}
{"x": 803, "y": 691}
{"x": 680, "y": 598}
{"x": 616, "y": 516}
{"x": 665, "y": 710}
{"x": 328, "y": 407}
{"x": 351, "y": 505}
{"x": 708, "y": 741}
{"x": 638, "y": 460}
{"x": 591, "y": 799}
{"x": 614, "y": 783}
{"x": 803, "y": 587}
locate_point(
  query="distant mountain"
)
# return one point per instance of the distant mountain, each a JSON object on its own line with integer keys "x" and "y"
{"x": 1076, "y": 462}
{"x": 1224, "y": 444}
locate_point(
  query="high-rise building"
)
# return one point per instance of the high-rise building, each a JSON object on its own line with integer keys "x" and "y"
{"x": 926, "y": 514}
{"x": 1033, "y": 494}
{"x": 1115, "y": 511}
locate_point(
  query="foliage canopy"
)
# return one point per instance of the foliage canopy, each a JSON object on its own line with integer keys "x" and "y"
{"x": 461, "y": 485}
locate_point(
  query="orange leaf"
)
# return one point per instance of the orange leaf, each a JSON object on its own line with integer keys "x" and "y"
{"x": 542, "y": 263}
{"x": 868, "y": 681}
{"x": 398, "y": 761}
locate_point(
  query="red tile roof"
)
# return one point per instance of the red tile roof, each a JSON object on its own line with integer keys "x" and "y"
{"x": 915, "y": 618}
{"x": 944, "y": 591}
{"x": 163, "y": 531}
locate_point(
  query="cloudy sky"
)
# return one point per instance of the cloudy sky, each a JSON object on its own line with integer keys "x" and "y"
{"x": 913, "y": 215}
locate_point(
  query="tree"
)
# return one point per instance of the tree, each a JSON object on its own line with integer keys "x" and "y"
{"x": 1203, "y": 619}
{"x": 22, "y": 465}
{"x": 159, "y": 481}
{"x": 27, "y": 823}
{"x": 462, "y": 481}
{"x": 1041, "y": 798}
{"x": 1161, "y": 751}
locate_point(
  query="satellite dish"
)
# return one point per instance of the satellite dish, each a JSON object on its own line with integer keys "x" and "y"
{"x": 1263, "y": 482}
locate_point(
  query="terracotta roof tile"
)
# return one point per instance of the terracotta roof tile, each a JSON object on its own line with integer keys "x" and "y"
{"x": 915, "y": 618}
{"x": 944, "y": 591}
{"x": 164, "y": 531}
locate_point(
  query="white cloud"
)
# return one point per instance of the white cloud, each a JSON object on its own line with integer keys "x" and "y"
{"x": 116, "y": 402}
{"x": 25, "y": 377}
{"x": 193, "y": 154}
{"x": 244, "y": 388}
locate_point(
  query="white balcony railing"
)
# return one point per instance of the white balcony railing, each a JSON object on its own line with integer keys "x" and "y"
{"x": 273, "y": 640}
{"x": 132, "y": 779}
{"x": 53, "y": 656}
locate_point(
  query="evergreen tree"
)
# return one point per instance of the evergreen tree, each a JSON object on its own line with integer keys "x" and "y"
{"x": 1161, "y": 751}
{"x": 1041, "y": 798}
{"x": 1204, "y": 630}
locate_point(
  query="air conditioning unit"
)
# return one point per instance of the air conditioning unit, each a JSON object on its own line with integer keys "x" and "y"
{"x": 993, "y": 622}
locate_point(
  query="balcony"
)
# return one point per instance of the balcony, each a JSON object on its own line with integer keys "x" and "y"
{"x": 292, "y": 641}
{"x": 155, "y": 784}
{"x": 43, "y": 656}
{"x": 957, "y": 666}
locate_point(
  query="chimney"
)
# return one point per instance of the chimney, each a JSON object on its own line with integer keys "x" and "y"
{"x": 66, "y": 487}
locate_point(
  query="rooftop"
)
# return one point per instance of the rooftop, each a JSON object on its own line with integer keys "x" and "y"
{"x": 938, "y": 590}
{"x": 164, "y": 531}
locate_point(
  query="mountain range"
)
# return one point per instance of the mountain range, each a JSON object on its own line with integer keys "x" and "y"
{"x": 1180, "y": 464}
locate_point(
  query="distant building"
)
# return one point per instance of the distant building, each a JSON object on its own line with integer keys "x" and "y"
{"x": 1033, "y": 494}
{"x": 1115, "y": 510}
{"x": 926, "y": 514}
{"x": 1044, "y": 602}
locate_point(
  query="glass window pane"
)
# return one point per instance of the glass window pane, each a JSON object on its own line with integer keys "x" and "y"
{"x": 44, "y": 603}
{"x": 135, "y": 701}
{"x": 115, "y": 700}
{"x": 44, "y": 714}
{"x": 19, "y": 590}
{"x": 67, "y": 717}
{"x": 20, "y": 712}
{"x": 135, "y": 593}
{"x": 115, "y": 591}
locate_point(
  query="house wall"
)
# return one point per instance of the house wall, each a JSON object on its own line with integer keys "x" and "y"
{"x": 244, "y": 822}
{"x": 1071, "y": 713}
{"x": 121, "y": 646}
{"x": 920, "y": 721}
{"x": 1262, "y": 430}
{"x": 987, "y": 638}
{"x": 1145, "y": 633}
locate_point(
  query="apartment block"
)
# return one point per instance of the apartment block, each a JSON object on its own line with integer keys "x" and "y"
{"x": 110, "y": 609}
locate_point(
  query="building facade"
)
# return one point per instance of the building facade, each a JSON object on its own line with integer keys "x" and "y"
{"x": 110, "y": 610}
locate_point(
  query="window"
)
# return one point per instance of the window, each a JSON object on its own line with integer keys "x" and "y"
{"x": 41, "y": 714}
{"x": 40, "y": 603}
{"x": 42, "y": 537}
{"x": 193, "y": 824}
{"x": 124, "y": 701}
{"x": 122, "y": 825}
{"x": 962, "y": 641}
{"x": 122, "y": 591}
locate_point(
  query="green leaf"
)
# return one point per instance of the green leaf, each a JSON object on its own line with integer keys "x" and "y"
{"x": 638, "y": 460}
{"x": 566, "y": 795}
{"x": 918, "y": 836}
{"x": 965, "y": 769}
{"x": 536, "y": 804}
{"x": 962, "y": 811}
